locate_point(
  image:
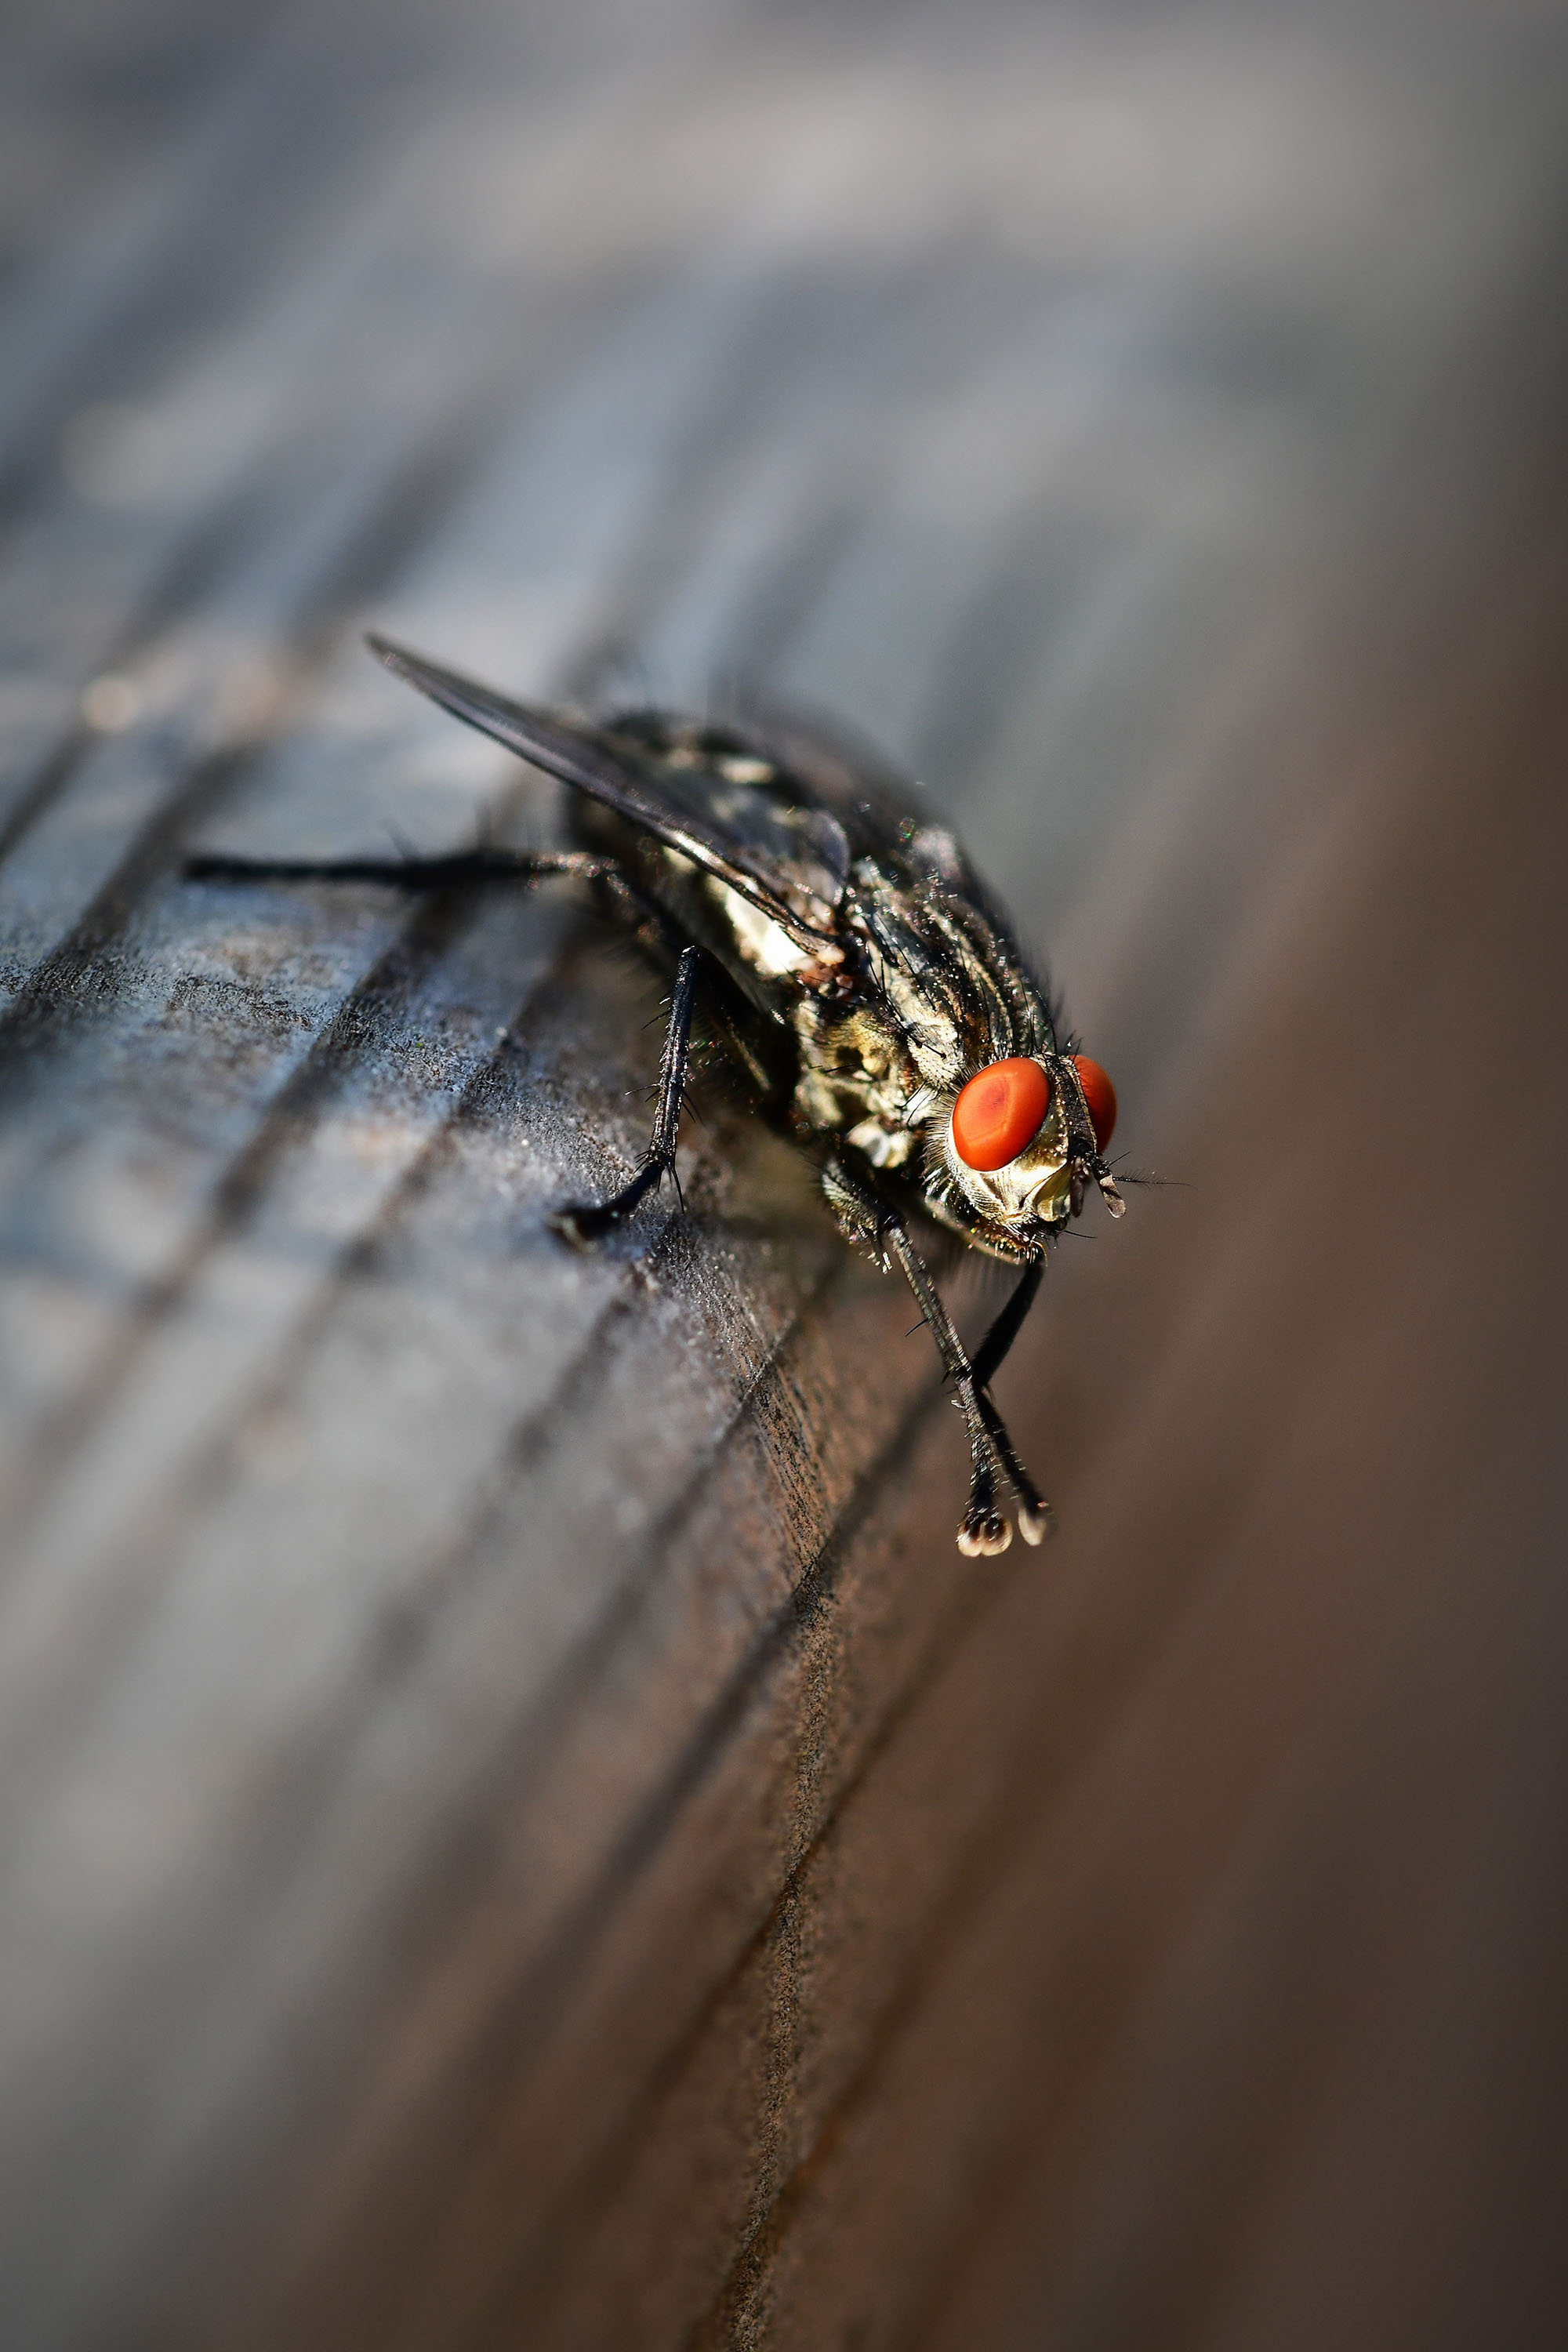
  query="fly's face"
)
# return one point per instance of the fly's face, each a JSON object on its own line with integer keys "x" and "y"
{"x": 1022, "y": 1142}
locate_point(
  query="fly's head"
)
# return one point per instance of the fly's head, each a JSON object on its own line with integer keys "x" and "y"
{"x": 1014, "y": 1150}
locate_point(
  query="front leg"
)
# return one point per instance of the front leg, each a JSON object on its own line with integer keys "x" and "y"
{"x": 1033, "y": 1512}
{"x": 985, "y": 1530}
{"x": 589, "y": 1221}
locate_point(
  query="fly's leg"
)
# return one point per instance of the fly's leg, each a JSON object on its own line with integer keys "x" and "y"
{"x": 1034, "y": 1517}
{"x": 984, "y": 1530}
{"x": 405, "y": 873}
{"x": 579, "y": 1224}
{"x": 1034, "y": 1511}
{"x": 993, "y": 1351}
{"x": 462, "y": 869}
{"x": 590, "y": 1222}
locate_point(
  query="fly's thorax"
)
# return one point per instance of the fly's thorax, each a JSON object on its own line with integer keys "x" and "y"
{"x": 773, "y": 966}
{"x": 856, "y": 1077}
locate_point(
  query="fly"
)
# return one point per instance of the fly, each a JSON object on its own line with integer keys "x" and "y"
{"x": 854, "y": 966}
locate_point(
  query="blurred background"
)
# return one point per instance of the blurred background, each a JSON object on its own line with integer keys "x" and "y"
{"x": 516, "y": 1825}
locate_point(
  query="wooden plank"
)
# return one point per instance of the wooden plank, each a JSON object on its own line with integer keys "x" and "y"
{"x": 516, "y": 1824}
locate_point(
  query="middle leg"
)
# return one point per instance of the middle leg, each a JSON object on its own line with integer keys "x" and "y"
{"x": 583, "y": 1223}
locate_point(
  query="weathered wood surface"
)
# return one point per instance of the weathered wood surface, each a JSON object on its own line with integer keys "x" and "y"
{"x": 516, "y": 1825}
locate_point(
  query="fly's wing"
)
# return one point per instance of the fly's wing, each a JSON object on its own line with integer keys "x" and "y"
{"x": 882, "y": 815}
{"x": 792, "y": 863}
{"x": 877, "y": 807}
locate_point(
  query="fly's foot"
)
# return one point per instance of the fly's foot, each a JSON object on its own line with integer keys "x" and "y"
{"x": 1034, "y": 1513}
{"x": 983, "y": 1533}
{"x": 1031, "y": 1509}
{"x": 985, "y": 1530}
{"x": 583, "y": 1222}
{"x": 1036, "y": 1521}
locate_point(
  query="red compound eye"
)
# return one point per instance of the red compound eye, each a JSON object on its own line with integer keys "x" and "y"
{"x": 1099, "y": 1095}
{"x": 1000, "y": 1112}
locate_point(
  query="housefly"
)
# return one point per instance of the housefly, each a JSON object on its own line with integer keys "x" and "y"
{"x": 855, "y": 967}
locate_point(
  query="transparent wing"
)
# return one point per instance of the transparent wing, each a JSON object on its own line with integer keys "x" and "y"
{"x": 791, "y": 863}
